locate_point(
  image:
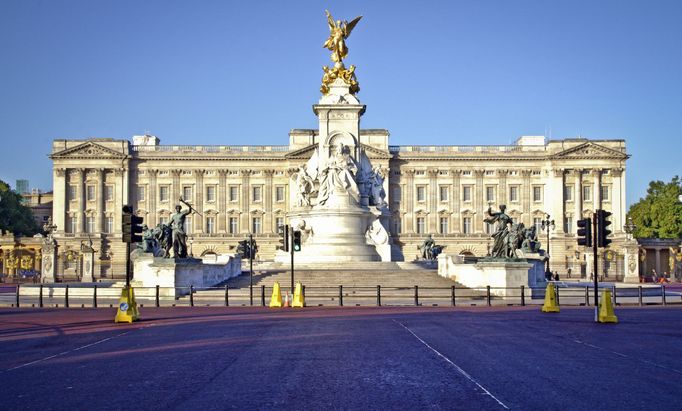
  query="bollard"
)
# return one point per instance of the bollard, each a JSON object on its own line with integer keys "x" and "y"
{"x": 639, "y": 295}
{"x": 40, "y": 297}
{"x": 663, "y": 295}
{"x": 452, "y": 295}
{"x": 94, "y": 296}
{"x": 587, "y": 296}
{"x": 556, "y": 293}
{"x": 523, "y": 296}
{"x": 262, "y": 295}
{"x": 18, "y": 285}
{"x": 615, "y": 299}
{"x": 488, "y": 294}
{"x": 156, "y": 296}
{"x": 191, "y": 295}
{"x": 227, "y": 298}
{"x": 66, "y": 296}
{"x": 416, "y": 295}
{"x": 340, "y": 296}
{"x": 378, "y": 296}
{"x": 303, "y": 293}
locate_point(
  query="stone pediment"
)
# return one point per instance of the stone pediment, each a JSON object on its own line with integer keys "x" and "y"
{"x": 88, "y": 150}
{"x": 589, "y": 151}
{"x": 307, "y": 152}
{"x": 302, "y": 153}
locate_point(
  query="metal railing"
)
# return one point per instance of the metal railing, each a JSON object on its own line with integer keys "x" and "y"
{"x": 75, "y": 295}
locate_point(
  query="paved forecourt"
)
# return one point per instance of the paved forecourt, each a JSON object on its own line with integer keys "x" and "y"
{"x": 348, "y": 358}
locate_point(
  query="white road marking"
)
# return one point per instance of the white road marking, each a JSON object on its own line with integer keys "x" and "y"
{"x": 457, "y": 367}
{"x": 67, "y": 352}
{"x": 627, "y": 356}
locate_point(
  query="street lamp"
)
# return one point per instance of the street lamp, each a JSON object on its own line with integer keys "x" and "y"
{"x": 548, "y": 225}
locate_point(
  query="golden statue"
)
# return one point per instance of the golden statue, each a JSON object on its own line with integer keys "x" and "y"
{"x": 338, "y": 33}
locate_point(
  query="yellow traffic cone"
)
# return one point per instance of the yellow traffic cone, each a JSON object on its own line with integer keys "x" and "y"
{"x": 550, "y": 305}
{"x": 127, "y": 307}
{"x": 286, "y": 300}
{"x": 298, "y": 296}
{"x": 606, "y": 314}
{"x": 276, "y": 299}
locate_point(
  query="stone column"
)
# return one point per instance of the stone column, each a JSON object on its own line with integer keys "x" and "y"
{"x": 658, "y": 262}
{"x": 556, "y": 209}
{"x": 152, "y": 193}
{"x": 578, "y": 193}
{"x": 267, "y": 226}
{"x": 60, "y": 200}
{"x": 244, "y": 202}
{"x": 118, "y": 200}
{"x": 99, "y": 214}
{"x": 80, "y": 199}
{"x": 222, "y": 201}
{"x": 456, "y": 215}
{"x": 175, "y": 189}
{"x": 525, "y": 199}
{"x": 502, "y": 192}
{"x": 617, "y": 203}
{"x": 409, "y": 202}
{"x": 199, "y": 194}
{"x": 596, "y": 191}
{"x": 432, "y": 226}
{"x": 479, "y": 206}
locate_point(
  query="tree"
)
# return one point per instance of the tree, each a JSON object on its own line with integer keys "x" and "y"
{"x": 659, "y": 214}
{"x": 14, "y": 216}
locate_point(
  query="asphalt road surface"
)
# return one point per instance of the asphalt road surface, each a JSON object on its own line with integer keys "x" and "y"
{"x": 342, "y": 358}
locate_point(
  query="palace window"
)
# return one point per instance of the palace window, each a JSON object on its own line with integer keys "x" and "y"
{"x": 187, "y": 193}
{"x": 587, "y": 193}
{"x": 234, "y": 194}
{"x": 210, "y": 194}
{"x": 444, "y": 193}
{"x": 421, "y": 193}
{"x": 71, "y": 224}
{"x": 421, "y": 225}
{"x": 466, "y": 225}
{"x": 605, "y": 193}
{"x": 443, "y": 226}
{"x": 537, "y": 194}
{"x": 279, "y": 222}
{"x": 163, "y": 220}
{"x": 188, "y": 225}
{"x": 279, "y": 193}
{"x": 537, "y": 222}
{"x": 256, "y": 225}
{"x": 163, "y": 193}
{"x": 568, "y": 225}
{"x": 466, "y": 173}
{"x": 109, "y": 193}
{"x": 535, "y": 173}
{"x": 90, "y": 224}
{"x": 90, "y": 193}
{"x": 466, "y": 193}
{"x": 140, "y": 193}
{"x": 109, "y": 225}
{"x": 420, "y": 172}
{"x": 490, "y": 194}
{"x": 489, "y": 172}
{"x": 489, "y": 228}
{"x": 233, "y": 226}
{"x": 514, "y": 194}
{"x": 210, "y": 225}
{"x": 568, "y": 193}
{"x": 72, "y": 192}
{"x": 256, "y": 194}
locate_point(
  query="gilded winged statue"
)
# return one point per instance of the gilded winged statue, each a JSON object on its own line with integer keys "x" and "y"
{"x": 338, "y": 33}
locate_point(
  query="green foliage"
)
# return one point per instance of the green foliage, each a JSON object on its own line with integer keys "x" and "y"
{"x": 659, "y": 214}
{"x": 14, "y": 216}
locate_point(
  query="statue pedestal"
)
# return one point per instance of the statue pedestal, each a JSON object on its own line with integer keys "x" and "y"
{"x": 88, "y": 268}
{"x": 631, "y": 249}
{"x": 49, "y": 263}
{"x": 176, "y": 275}
{"x": 505, "y": 277}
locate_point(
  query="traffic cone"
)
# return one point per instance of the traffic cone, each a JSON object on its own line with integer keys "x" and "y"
{"x": 550, "y": 305}
{"x": 606, "y": 314}
{"x": 298, "y": 296}
{"x": 127, "y": 307}
{"x": 286, "y": 300}
{"x": 276, "y": 299}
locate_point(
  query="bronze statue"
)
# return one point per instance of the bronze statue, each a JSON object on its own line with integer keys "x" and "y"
{"x": 178, "y": 225}
{"x": 500, "y": 237}
{"x": 338, "y": 33}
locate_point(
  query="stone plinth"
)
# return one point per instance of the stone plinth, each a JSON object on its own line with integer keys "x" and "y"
{"x": 631, "y": 249}
{"x": 49, "y": 263}
{"x": 505, "y": 278}
{"x": 88, "y": 267}
{"x": 179, "y": 274}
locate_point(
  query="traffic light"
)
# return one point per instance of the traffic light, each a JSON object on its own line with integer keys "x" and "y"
{"x": 585, "y": 232}
{"x": 132, "y": 226}
{"x": 283, "y": 237}
{"x": 602, "y": 231}
{"x": 296, "y": 242}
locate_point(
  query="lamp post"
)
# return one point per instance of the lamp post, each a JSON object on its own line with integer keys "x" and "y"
{"x": 548, "y": 225}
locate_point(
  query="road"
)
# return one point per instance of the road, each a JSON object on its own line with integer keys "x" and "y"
{"x": 342, "y": 358}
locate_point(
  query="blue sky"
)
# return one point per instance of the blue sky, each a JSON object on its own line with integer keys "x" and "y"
{"x": 432, "y": 72}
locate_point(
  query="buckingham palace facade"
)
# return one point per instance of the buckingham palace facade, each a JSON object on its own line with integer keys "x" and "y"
{"x": 439, "y": 190}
